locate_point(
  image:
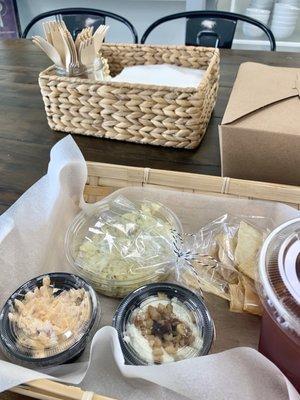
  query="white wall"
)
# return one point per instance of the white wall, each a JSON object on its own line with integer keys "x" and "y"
{"x": 141, "y": 13}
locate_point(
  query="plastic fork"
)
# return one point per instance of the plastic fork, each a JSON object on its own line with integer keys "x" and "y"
{"x": 99, "y": 36}
{"x": 60, "y": 21}
{"x": 87, "y": 51}
{"x": 51, "y": 51}
{"x": 56, "y": 37}
{"x": 84, "y": 34}
{"x": 47, "y": 32}
{"x": 72, "y": 46}
{"x": 67, "y": 52}
{"x": 72, "y": 63}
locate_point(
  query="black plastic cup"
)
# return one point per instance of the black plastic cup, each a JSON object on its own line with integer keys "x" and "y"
{"x": 190, "y": 300}
{"x": 60, "y": 354}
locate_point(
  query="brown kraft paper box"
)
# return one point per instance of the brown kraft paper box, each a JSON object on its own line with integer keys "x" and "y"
{"x": 260, "y": 131}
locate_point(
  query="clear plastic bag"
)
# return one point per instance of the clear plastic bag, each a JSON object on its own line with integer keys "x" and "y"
{"x": 222, "y": 259}
{"x": 119, "y": 245}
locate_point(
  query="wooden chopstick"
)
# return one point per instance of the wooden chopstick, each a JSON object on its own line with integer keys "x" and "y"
{"x": 44, "y": 389}
{"x": 26, "y": 391}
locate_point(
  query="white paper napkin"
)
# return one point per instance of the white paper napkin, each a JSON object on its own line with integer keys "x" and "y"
{"x": 162, "y": 74}
{"x": 32, "y": 242}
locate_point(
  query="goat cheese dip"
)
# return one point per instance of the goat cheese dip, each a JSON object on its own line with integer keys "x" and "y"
{"x": 49, "y": 319}
{"x": 163, "y": 330}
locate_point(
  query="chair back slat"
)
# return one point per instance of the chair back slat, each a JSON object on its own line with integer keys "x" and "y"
{"x": 81, "y": 14}
{"x": 211, "y": 28}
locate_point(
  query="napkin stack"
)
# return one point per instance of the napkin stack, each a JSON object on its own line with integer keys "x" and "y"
{"x": 161, "y": 74}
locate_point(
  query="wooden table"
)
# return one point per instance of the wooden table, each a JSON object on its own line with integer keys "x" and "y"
{"x": 26, "y": 139}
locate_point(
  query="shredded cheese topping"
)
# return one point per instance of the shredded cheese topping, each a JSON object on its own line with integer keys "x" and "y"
{"x": 46, "y": 319}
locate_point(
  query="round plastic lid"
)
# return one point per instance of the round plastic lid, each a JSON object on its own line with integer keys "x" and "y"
{"x": 279, "y": 271}
{"x": 116, "y": 241}
{"x": 149, "y": 295}
{"x": 48, "y": 319}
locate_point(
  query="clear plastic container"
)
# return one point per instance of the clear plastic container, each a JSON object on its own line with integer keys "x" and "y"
{"x": 279, "y": 273}
{"x": 159, "y": 341}
{"x": 121, "y": 245}
{"x": 98, "y": 70}
{"x": 37, "y": 329}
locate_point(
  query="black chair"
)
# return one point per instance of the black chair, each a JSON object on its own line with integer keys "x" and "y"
{"x": 211, "y": 28}
{"x": 75, "y": 19}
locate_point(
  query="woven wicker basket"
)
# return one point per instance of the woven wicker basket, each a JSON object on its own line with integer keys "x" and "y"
{"x": 149, "y": 114}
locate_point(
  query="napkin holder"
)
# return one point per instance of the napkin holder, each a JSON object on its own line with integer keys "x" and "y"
{"x": 140, "y": 113}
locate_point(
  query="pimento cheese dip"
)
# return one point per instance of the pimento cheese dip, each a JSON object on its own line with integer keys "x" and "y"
{"x": 50, "y": 319}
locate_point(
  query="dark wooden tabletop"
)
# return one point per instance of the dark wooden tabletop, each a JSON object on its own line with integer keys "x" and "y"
{"x": 26, "y": 139}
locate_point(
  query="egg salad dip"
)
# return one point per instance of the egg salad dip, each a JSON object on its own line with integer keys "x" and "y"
{"x": 163, "y": 330}
{"x": 127, "y": 247}
{"x": 49, "y": 318}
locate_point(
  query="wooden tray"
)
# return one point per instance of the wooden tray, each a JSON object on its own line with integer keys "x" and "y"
{"x": 104, "y": 179}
